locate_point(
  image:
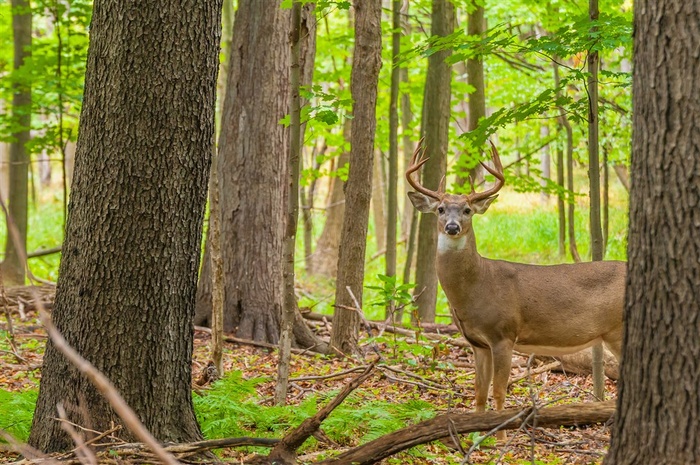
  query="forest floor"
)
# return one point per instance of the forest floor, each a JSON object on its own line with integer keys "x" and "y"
{"x": 424, "y": 373}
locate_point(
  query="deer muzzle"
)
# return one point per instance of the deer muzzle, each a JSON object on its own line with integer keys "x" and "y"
{"x": 452, "y": 229}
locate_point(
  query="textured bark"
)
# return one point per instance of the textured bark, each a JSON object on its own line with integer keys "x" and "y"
{"x": 128, "y": 275}
{"x": 204, "y": 297}
{"x": 13, "y": 266}
{"x": 364, "y": 80}
{"x": 436, "y": 120}
{"x": 324, "y": 261}
{"x": 253, "y": 170}
{"x": 658, "y": 417}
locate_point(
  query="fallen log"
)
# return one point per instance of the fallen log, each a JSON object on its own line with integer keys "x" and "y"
{"x": 443, "y": 426}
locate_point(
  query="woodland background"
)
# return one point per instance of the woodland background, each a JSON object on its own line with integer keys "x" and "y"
{"x": 516, "y": 72}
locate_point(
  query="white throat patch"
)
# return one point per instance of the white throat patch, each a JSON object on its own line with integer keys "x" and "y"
{"x": 450, "y": 244}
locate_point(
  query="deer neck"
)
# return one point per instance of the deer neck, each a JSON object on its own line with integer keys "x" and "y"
{"x": 457, "y": 255}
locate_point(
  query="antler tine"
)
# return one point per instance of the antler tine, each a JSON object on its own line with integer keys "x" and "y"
{"x": 441, "y": 187}
{"x": 417, "y": 161}
{"x": 498, "y": 174}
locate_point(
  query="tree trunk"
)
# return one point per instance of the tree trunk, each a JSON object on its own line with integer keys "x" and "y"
{"x": 13, "y": 266}
{"x": 545, "y": 163}
{"x": 378, "y": 204}
{"x": 561, "y": 206}
{"x": 128, "y": 276}
{"x": 364, "y": 80}
{"x": 325, "y": 258}
{"x": 253, "y": 171}
{"x": 658, "y": 419}
{"x": 292, "y": 217}
{"x": 392, "y": 196}
{"x": 436, "y": 120}
{"x": 594, "y": 183}
{"x": 564, "y": 122}
{"x": 308, "y": 60}
{"x": 475, "y": 77}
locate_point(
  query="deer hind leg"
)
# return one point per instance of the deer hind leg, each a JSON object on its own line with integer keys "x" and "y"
{"x": 502, "y": 354}
{"x": 484, "y": 373}
{"x": 613, "y": 341}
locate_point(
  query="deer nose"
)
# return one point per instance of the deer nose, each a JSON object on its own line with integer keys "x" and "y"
{"x": 452, "y": 229}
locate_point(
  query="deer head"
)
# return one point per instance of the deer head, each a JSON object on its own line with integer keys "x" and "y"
{"x": 454, "y": 212}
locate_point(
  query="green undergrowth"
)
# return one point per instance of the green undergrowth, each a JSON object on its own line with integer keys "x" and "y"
{"x": 16, "y": 412}
{"x": 231, "y": 408}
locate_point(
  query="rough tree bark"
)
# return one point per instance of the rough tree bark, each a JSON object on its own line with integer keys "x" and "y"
{"x": 367, "y": 61}
{"x": 13, "y": 266}
{"x": 658, "y": 418}
{"x": 436, "y": 120}
{"x": 253, "y": 170}
{"x": 127, "y": 279}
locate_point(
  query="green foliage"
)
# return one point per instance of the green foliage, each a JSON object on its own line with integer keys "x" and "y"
{"x": 231, "y": 408}
{"x": 391, "y": 292}
{"x": 16, "y": 413}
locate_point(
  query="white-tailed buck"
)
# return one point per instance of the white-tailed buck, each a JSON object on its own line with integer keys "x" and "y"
{"x": 501, "y": 306}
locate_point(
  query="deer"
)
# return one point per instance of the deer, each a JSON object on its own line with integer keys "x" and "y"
{"x": 501, "y": 306}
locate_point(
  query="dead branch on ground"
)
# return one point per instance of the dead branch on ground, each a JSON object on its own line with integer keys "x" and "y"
{"x": 463, "y": 423}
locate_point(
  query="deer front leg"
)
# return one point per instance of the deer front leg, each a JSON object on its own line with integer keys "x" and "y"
{"x": 502, "y": 354}
{"x": 484, "y": 372}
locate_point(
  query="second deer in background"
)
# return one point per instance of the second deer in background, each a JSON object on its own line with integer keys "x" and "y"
{"x": 500, "y": 306}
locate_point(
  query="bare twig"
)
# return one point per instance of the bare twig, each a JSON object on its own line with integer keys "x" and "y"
{"x": 536, "y": 371}
{"x": 84, "y": 454}
{"x": 330, "y": 376}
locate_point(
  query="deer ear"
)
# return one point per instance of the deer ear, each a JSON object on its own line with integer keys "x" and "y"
{"x": 423, "y": 203}
{"x": 480, "y": 206}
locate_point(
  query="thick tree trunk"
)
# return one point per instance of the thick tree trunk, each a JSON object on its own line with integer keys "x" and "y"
{"x": 658, "y": 418}
{"x": 436, "y": 120}
{"x": 253, "y": 170}
{"x": 13, "y": 266}
{"x": 128, "y": 276}
{"x": 367, "y": 61}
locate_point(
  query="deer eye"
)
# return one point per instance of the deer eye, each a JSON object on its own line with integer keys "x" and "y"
{"x": 467, "y": 211}
{"x": 441, "y": 210}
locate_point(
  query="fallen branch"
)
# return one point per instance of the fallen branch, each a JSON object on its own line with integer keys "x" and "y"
{"x": 463, "y": 423}
{"x": 381, "y": 326}
{"x": 528, "y": 372}
{"x": 250, "y": 342}
{"x": 285, "y": 451}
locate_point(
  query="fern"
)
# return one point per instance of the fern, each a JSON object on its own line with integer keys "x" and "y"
{"x": 16, "y": 413}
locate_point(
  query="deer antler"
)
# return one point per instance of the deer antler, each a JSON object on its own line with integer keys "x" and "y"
{"x": 497, "y": 172}
{"x": 417, "y": 161}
